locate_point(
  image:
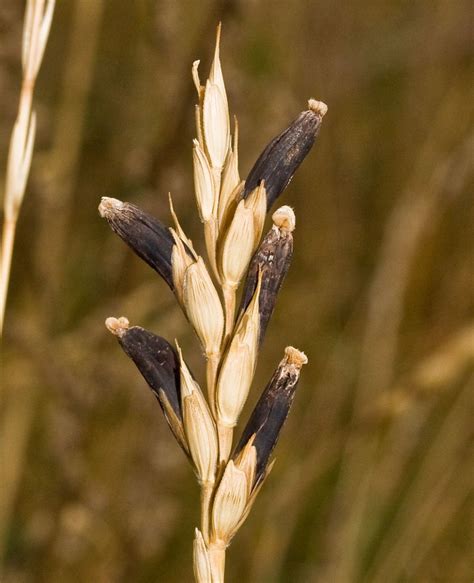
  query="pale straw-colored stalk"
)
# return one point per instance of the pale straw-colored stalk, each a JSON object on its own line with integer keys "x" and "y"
{"x": 38, "y": 18}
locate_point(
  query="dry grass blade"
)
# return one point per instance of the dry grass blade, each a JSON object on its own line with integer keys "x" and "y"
{"x": 447, "y": 453}
{"x": 38, "y": 18}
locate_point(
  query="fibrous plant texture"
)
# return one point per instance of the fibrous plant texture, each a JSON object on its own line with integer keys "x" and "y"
{"x": 233, "y": 213}
{"x": 38, "y": 18}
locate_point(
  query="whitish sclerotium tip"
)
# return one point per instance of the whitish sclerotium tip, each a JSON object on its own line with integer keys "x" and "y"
{"x": 295, "y": 356}
{"x": 319, "y": 107}
{"x": 284, "y": 218}
{"x": 118, "y": 326}
{"x": 109, "y": 205}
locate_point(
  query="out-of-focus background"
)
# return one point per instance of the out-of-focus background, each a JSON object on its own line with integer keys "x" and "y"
{"x": 372, "y": 482}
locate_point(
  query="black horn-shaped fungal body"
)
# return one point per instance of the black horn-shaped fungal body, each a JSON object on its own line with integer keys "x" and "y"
{"x": 271, "y": 411}
{"x": 159, "y": 365}
{"x": 272, "y": 261}
{"x": 279, "y": 161}
{"x": 147, "y": 236}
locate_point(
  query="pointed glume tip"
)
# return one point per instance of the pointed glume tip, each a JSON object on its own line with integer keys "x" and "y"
{"x": 284, "y": 218}
{"x": 118, "y": 326}
{"x": 319, "y": 107}
{"x": 109, "y": 205}
{"x": 295, "y": 356}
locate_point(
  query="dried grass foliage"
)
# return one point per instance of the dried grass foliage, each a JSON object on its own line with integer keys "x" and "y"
{"x": 38, "y": 18}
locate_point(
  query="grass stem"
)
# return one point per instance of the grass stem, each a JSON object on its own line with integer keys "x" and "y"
{"x": 225, "y": 435}
{"x": 229, "y": 309}
{"x": 8, "y": 238}
{"x": 212, "y": 366}
{"x": 206, "y": 495}
{"x": 217, "y": 560}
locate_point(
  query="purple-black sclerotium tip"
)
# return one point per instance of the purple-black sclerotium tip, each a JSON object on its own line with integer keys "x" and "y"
{"x": 281, "y": 158}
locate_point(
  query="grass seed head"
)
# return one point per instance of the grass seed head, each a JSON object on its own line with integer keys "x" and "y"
{"x": 233, "y": 213}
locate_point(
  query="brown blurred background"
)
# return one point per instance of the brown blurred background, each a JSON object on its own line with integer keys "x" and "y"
{"x": 373, "y": 476}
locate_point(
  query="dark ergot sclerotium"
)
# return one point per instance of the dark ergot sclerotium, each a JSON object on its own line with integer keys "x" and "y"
{"x": 159, "y": 365}
{"x": 281, "y": 158}
{"x": 148, "y": 237}
{"x": 272, "y": 260}
{"x": 272, "y": 409}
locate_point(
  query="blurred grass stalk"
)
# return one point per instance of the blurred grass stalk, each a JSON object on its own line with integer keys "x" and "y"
{"x": 413, "y": 213}
{"x": 59, "y": 166}
{"x": 38, "y": 18}
{"x": 20, "y": 399}
{"x": 383, "y": 402}
{"x": 17, "y": 415}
